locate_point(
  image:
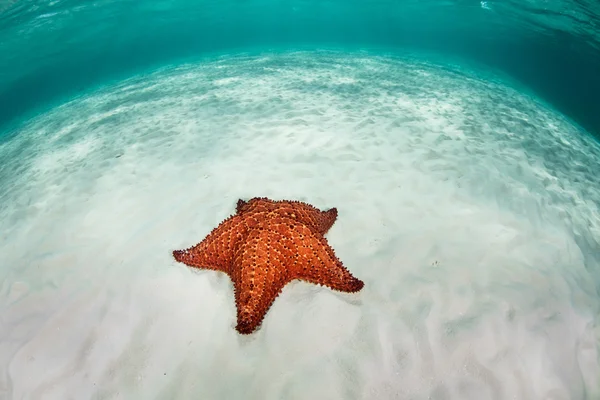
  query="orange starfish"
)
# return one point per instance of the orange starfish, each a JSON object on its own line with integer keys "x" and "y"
{"x": 266, "y": 245}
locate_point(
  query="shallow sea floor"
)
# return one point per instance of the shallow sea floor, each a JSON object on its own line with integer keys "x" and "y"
{"x": 469, "y": 209}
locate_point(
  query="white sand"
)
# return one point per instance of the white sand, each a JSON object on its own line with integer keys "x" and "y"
{"x": 469, "y": 210}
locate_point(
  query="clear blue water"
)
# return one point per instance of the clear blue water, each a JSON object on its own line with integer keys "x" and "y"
{"x": 458, "y": 140}
{"x": 56, "y": 49}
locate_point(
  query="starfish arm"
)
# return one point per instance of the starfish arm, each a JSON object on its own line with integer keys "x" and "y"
{"x": 326, "y": 219}
{"x": 240, "y": 206}
{"x": 308, "y": 256}
{"x": 317, "y": 220}
{"x": 316, "y": 262}
{"x": 217, "y": 249}
{"x": 320, "y": 221}
{"x": 259, "y": 275}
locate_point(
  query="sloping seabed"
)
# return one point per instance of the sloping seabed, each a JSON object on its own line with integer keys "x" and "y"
{"x": 53, "y": 50}
{"x": 469, "y": 209}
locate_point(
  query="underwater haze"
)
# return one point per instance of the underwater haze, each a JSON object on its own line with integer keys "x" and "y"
{"x": 55, "y": 49}
{"x": 457, "y": 139}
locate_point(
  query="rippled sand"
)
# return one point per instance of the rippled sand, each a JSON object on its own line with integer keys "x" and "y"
{"x": 470, "y": 211}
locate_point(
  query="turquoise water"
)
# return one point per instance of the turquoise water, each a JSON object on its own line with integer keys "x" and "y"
{"x": 55, "y": 49}
{"x": 458, "y": 141}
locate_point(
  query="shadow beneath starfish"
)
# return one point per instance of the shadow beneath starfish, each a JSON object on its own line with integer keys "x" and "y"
{"x": 300, "y": 291}
{"x": 244, "y": 340}
{"x": 354, "y": 299}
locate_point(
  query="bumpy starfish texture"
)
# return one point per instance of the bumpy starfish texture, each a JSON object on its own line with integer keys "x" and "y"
{"x": 266, "y": 245}
{"x": 309, "y": 215}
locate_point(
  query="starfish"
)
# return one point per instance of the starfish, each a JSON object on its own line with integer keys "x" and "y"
{"x": 265, "y": 245}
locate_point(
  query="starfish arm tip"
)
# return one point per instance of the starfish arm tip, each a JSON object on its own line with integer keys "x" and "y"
{"x": 357, "y": 286}
{"x": 178, "y": 255}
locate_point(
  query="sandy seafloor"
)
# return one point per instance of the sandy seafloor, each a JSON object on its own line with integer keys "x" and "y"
{"x": 468, "y": 208}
